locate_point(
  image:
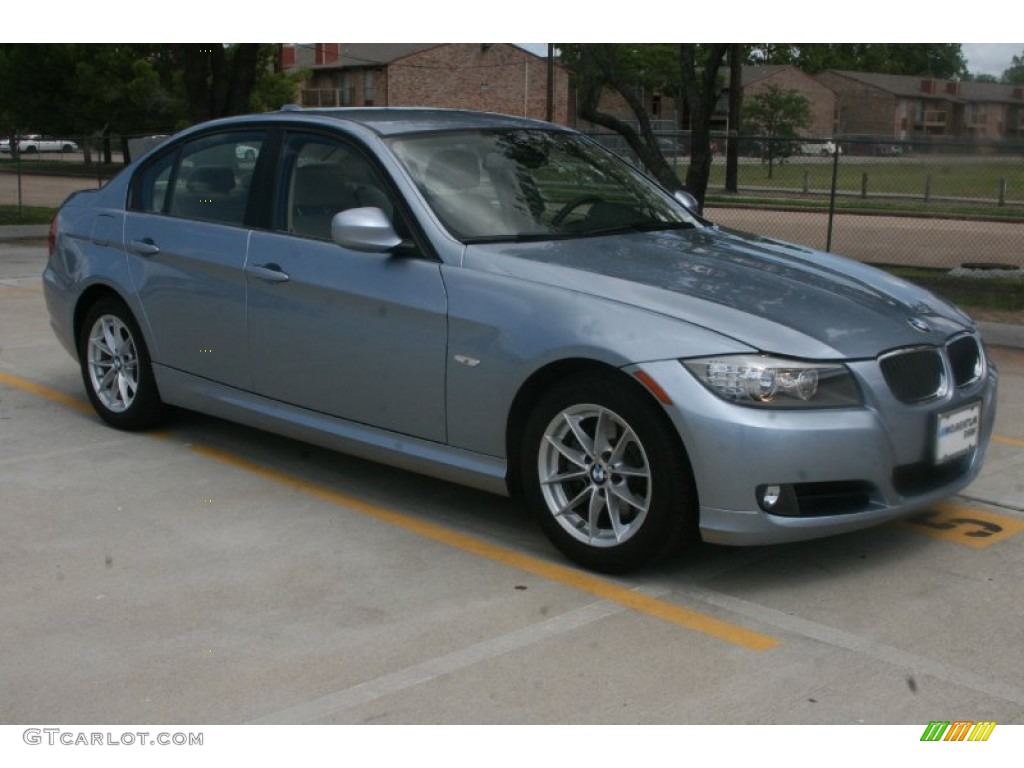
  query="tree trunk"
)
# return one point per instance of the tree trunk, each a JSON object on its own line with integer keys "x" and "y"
{"x": 732, "y": 158}
{"x": 597, "y": 66}
{"x": 218, "y": 81}
{"x": 701, "y": 89}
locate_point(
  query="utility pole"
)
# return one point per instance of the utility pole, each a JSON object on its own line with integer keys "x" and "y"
{"x": 551, "y": 83}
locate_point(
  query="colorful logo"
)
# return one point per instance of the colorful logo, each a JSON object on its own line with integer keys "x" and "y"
{"x": 958, "y": 730}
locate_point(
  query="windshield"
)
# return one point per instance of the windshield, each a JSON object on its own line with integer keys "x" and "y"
{"x": 532, "y": 184}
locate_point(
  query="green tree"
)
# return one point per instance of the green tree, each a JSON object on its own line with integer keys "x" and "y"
{"x": 118, "y": 89}
{"x": 776, "y": 115}
{"x": 35, "y": 91}
{"x": 942, "y": 60}
{"x": 688, "y": 70}
{"x": 625, "y": 69}
{"x": 274, "y": 88}
{"x": 220, "y": 80}
{"x": 99, "y": 89}
{"x": 1014, "y": 75}
{"x": 702, "y": 85}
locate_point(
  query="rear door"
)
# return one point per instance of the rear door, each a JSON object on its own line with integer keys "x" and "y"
{"x": 187, "y": 235}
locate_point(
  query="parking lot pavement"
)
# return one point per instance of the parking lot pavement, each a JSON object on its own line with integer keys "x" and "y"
{"x": 209, "y": 573}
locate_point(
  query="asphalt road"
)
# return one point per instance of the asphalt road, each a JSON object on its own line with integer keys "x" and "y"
{"x": 887, "y": 239}
{"x": 208, "y": 573}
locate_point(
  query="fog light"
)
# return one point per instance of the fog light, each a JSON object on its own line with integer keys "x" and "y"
{"x": 778, "y": 500}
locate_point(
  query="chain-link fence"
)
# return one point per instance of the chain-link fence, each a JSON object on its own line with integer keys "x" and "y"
{"x": 41, "y": 171}
{"x": 926, "y": 203}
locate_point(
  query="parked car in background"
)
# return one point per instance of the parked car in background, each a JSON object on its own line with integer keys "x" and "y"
{"x": 504, "y": 303}
{"x": 35, "y": 143}
{"x": 891, "y": 150}
{"x": 826, "y": 148}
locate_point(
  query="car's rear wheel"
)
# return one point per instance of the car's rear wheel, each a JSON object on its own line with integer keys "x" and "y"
{"x": 116, "y": 368}
{"x": 607, "y": 478}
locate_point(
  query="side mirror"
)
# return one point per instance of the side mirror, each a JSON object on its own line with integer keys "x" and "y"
{"x": 364, "y": 229}
{"x": 688, "y": 201}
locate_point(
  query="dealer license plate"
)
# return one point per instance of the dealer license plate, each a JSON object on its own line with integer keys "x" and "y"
{"x": 956, "y": 432}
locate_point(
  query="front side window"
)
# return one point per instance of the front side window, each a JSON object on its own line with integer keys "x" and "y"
{"x": 322, "y": 176}
{"x": 208, "y": 178}
{"x": 531, "y": 184}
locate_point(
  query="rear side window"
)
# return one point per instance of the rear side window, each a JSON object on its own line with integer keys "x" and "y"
{"x": 209, "y": 179}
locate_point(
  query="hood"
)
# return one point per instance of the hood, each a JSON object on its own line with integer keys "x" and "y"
{"x": 777, "y": 297}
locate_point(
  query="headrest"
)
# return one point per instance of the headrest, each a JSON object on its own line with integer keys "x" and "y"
{"x": 456, "y": 169}
{"x": 217, "y": 179}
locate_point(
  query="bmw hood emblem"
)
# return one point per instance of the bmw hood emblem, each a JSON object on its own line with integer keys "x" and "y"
{"x": 918, "y": 324}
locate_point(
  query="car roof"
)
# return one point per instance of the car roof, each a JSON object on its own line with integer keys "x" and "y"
{"x": 393, "y": 121}
{"x": 388, "y": 121}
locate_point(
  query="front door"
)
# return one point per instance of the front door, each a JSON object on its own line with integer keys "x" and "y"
{"x": 360, "y": 336}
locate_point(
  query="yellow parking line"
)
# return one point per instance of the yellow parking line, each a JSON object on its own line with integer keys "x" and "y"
{"x": 584, "y": 582}
{"x": 967, "y": 526}
{"x": 40, "y": 390}
{"x": 8, "y": 290}
{"x": 1008, "y": 441}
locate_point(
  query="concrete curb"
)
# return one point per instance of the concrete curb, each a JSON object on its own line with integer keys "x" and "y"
{"x": 1002, "y": 334}
{"x": 25, "y": 232}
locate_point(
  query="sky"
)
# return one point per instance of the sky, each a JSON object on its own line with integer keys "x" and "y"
{"x": 990, "y": 58}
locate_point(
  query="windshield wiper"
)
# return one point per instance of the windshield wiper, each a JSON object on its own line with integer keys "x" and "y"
{"x": 528, "y": 237}
{"x": 639, "y": 226}
{"x": 648, "y": 225}
{"x": 658, "y": 226}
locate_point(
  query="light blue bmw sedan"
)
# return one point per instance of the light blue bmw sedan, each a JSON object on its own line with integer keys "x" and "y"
{"x": 500, "y": 302}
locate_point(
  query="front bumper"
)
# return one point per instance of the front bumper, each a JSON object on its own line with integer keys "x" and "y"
{"x": 855, "y": 467}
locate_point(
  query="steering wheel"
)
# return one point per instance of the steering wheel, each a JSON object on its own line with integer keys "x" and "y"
{"x": 572, "y": 205}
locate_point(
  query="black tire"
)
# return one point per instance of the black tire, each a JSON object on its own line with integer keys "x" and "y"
{"x": 636, "y": 478}
{"x": 116, "y": 368}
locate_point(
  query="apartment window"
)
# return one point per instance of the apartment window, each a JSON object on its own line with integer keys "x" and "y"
{"x": 343, "y": 83}
{"x": 369, "y": 90}
{"x": 977, "y": 114}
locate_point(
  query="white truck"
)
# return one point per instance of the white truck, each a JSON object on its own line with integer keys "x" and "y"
{"x": 33, "y": 142}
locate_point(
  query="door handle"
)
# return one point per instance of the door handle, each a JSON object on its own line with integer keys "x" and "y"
{"x": 144, "y": 247}
{"x": 271, "y": 272}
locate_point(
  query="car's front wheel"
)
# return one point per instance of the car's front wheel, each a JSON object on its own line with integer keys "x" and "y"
{"x": 116, "y": 368}
{"x": 607, "y": 478}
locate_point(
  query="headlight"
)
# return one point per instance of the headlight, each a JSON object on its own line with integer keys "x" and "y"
{"x": 772, "y": 382}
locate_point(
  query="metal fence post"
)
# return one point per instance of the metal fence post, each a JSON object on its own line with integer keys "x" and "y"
{"x": 832, "y": 200}
{"x": 17, "y": 170}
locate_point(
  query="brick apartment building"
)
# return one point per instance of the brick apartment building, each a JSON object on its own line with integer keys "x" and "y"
{"x": 500, "y": 77}
{"x": 861, "y": 105}
{"x": 821, "y": 98}
{"x": 493, "y": 77}
{"x": 906, "y": 108}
